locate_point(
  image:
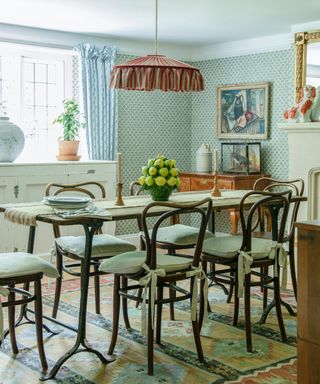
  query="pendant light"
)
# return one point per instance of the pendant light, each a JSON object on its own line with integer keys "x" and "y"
{"x": 152, "y": 72}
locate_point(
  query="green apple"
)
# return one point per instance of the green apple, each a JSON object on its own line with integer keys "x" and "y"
{"x": 142, "y": 180}
{"x": 173, "y": 162}
{"x": 174, "y": 172}
{"x": 144, "y": 171}
{"x": 161, "y": 157}
{"x": 167, "y": 163}
{"x": 159, "y": 163}
{"x": 160, "y": 181}
{"x": 164, "y": 171}
{"x": 151, "y": 162}
{"x": 153, "y": 171}
{"x": 172, "y": 181}
{"x": 149, "y": 181}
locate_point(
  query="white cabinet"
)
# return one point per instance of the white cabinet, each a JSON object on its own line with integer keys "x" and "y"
{"x": 27, "y": 182}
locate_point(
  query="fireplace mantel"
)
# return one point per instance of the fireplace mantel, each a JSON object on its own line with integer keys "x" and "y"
{"x": 300, "y": 127}
{"x": 304, "y": 155}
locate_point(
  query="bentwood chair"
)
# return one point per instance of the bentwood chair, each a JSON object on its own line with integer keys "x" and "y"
{"x": 73, "y": 247}
{"x": 174, "y": 238}
{"x": 297, "y": 188}
{"x": 155, "y": 271}
{"x": 23, "y": 268}
{"x": 240, "y": 255}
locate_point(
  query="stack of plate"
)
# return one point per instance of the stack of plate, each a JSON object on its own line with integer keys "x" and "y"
{"x": 67, "y": 202}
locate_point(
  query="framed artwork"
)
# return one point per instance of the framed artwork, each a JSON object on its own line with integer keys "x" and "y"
{"x": 242, "y": 111}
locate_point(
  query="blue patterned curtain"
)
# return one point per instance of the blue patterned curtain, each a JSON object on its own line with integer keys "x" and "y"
{"x": 100, "y": 102}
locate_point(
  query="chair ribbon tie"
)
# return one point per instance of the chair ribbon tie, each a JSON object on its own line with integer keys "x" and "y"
{"x": 244, "y": 267}
{"x": 199, "y": 273}
{"x": 3, "y": 292}
{"x": 280, "y": 257}
{"x": 150, "y": 279}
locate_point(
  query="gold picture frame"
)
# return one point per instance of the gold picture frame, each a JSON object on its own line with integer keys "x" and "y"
{"x": 301, "y": 42}
{"x": 242, "y": 111}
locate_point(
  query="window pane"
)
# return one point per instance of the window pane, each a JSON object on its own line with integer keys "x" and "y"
{"x": 52, "y": 95}
{"x": 28, "y": 72}
{"x": 40, "y": 94}
{"x": 52, "y": 73}
{"x": 40, "y": 73}
{"x": 29, "y": 93}
{"x": 40, "y": 118}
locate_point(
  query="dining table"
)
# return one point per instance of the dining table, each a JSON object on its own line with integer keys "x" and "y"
{"x": 105, "y": 211}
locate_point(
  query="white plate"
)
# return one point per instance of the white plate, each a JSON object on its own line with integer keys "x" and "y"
{"x": 67, "y": 200}
{"x": 66, "y": 205}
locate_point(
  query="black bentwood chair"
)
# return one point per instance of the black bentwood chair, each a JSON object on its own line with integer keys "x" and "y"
{"x": 241, "y": 254}
{"x": 297, "y": 188}
{"x": 23, "y": 268}
{"x": 73, "y": 247}
{"x": 155, "y": 271}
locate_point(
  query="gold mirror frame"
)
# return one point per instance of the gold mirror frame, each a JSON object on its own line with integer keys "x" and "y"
{"x": 301, "y": 41}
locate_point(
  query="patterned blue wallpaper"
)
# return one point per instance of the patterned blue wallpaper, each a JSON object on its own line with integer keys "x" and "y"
{"x": 150, "y": 123}
{"x": 275, "y": 67}
{"x": 177, "y": 124}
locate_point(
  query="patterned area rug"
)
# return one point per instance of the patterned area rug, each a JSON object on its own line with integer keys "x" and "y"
{"x": 227, "y": 361}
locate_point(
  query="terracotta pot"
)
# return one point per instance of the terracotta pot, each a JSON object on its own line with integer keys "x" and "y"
{"x": 68, "y": 150}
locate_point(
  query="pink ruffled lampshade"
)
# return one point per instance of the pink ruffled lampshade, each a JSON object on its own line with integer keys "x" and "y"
{"x": 152, "y": 72}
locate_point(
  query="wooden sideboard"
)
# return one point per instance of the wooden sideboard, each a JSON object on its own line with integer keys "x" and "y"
{"x": 197, "y": 181}
{"x": 308, "y": 302}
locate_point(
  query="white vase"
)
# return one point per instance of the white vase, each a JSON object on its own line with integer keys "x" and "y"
{"x": 204, "y": 158}
{"x": 11, "y": 140}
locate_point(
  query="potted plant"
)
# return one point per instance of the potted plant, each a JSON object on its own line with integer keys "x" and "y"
{"x": 160, "y": 178}
{"x": 70, "y": 119}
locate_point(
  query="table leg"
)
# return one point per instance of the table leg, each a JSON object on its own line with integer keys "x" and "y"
{"x": 274, "y": 212}
{"x": 90, "y": 230}
{"x": 234, "y": 219}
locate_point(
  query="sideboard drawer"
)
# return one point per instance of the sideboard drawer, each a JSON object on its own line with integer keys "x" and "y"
{"x": 225, "y": 184}
{"x": 201, "y": 183}
{"x": 184, "y": 185}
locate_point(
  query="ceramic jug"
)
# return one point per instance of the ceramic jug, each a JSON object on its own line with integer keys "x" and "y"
{"x": 11, "y": 140}
{"x": 204, "y": 158}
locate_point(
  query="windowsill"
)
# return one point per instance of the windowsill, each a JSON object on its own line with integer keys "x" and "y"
{"x": 41, "y": 162}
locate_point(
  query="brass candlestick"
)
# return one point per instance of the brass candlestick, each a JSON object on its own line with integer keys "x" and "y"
{"x": 119, "y": 196}
{"x": 215, "y": 191}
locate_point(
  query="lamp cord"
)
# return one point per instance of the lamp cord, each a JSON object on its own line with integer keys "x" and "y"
{"x": 156, "y": 33}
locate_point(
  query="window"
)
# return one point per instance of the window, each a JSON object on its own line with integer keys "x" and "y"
{"x": 1, "y": 87}
{"x": 34, "y": 82}
{"x": 42, "y": 95}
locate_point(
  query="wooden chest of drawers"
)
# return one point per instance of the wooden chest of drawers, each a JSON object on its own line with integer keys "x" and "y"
{"x": 196, "y": 181}
{"x": 308, "y": 302}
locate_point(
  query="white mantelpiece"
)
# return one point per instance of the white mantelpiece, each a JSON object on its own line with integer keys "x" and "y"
{"x": 304, "y": 154}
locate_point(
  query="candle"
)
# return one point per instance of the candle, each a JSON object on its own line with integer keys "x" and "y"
{"x": 119, "y": 161}
{"x": 216, "y": 160}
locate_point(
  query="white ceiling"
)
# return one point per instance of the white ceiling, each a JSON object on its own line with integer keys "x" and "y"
{"x": 184, "y": 22}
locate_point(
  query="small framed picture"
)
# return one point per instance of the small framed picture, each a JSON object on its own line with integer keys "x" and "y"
{"x": 242, "y": 111}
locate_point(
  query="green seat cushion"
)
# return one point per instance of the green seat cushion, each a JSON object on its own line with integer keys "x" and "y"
{"x": 228, "y": 247}
{"x": 131, "y": 262}
{"x": 102, "y": 245}
{"x": 21, "y": 264}
{"x": 180, "y": 234}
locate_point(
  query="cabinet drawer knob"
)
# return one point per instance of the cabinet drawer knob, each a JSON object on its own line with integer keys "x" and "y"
{"x": 203, "y": 181}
